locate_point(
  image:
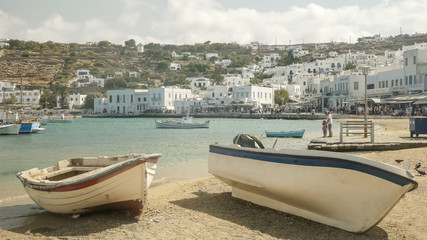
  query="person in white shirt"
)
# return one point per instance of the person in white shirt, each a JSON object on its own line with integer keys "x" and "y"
{"x": 329, "y": 121}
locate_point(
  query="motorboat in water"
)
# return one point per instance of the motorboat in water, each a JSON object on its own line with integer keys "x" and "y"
{"x": 185, "y": 123}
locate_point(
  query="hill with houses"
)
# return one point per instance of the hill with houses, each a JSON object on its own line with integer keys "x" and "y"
{"x": 49, "y": 65}
{"x": 38, "y": 65}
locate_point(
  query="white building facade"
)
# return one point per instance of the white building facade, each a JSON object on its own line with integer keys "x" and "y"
{"x": 125, "y": 102}
{"x": 8, "y": 92}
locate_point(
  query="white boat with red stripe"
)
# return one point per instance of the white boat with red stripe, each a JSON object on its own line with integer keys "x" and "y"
{"x": 79, "y": 185}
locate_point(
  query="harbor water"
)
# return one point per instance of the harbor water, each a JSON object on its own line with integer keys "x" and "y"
{"x": 184, "y": 151}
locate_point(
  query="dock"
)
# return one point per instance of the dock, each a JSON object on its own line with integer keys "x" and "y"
{"x": 357, "y": 142}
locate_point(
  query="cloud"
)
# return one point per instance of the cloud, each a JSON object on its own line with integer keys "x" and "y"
{"x": 188, "y": 22}
{"x": 9, "y": 24}
{"x": 55, "y": 29}
{"x": 199, "y": 21}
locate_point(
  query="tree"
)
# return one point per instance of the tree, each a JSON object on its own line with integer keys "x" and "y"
{"x": 255, "y": 80}
{"x": 162, "y": 66}
{"x": 291, "y": 59}
{"x": 47, "y": 99}
{"x": 104, "y": 44}
{"x": 25, "y": 54}
{"x": 115, "y": 83}
{"x": 89, "y": 101}
{"x": 61, "y": 91}
{"x": 349, "y": 66}
{"x": 130, "y": 43}
{"x": 217, "y": 77}
{"x": 281, "y": 97}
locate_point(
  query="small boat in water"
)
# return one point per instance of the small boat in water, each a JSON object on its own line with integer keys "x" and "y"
{"x": 294, "y": 134}
{"x": 340, "y": 190}
{"x": 185, "y": 123}
{"x": 30, "y": 127}
{"x": 9, "y": 129}
{"x": 80, "y": 185}
{"x": 59, "y": 119}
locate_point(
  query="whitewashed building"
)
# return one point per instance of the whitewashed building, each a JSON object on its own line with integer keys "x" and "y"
{"x": 140, "y": 48}
{"x": 73, "y": 100}
{"x": 175, "y": 66}
{"x": 211, "y": 55}
{"x": 197, "y": 83}
{"x": 162, "y": 99}
{"x": 224, "y": 62}
{"x": 81, "y": 73}
{"x": 218, "y": 92}
{"x": 260, "y": 97}
{"x": 270, "y": 60}
{"x": 386, "y": 83}
{"x": 125, "y": 102}
{"x": 415, "y": 68}
{"x": 90, "y": 81}
{"x": 29, "y": 97}
{"x": 235, "y": 80}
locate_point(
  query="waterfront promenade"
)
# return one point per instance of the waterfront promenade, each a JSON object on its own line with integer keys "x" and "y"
{"x": 386, "y": 137}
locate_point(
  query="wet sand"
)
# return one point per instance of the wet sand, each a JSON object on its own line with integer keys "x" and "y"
{"x": 203, "y": 208}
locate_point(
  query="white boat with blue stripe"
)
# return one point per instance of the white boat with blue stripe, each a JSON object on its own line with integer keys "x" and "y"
{"x": 340, "y": 190}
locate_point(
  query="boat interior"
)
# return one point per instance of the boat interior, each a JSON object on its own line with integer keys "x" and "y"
{"x": 67, "y": 173}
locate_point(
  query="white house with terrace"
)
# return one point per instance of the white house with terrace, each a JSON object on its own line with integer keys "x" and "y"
{"x": 84, "y": 79}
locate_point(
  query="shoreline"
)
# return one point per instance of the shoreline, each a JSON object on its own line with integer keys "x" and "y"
{"x": 238, "y": 115}
{"x": 201, "y": 207}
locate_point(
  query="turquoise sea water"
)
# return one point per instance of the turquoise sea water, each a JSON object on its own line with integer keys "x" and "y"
{"x": 184, "y": 151}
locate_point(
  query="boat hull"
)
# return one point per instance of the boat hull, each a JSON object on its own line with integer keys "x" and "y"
{"x": 57, "y": 120}
{"x": 294, "y": 134}
{"x": 179, "y": 125}
{"x": 10, "y": 129}
{"x": 120, "y": 186}
{"x": 31, "y": 127}
{"x": 348, "y": 194}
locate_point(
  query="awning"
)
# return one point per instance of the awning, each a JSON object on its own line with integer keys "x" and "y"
{"x": 422, "y": 101}
{"x": 396, "y": 101}
{"x": 376, "y": 100}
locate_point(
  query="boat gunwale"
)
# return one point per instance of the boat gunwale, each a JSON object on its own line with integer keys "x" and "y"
{"x": 328, "y": 159}
{"x": 293, "y": 134}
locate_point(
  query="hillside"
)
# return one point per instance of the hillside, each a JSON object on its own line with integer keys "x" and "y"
{"x": 41, "y": 64}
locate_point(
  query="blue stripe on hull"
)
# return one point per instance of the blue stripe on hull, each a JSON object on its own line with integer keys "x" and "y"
{"x": 314, "y": 162}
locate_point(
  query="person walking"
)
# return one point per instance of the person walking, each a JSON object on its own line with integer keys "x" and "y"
{"x": 329, "y": 121}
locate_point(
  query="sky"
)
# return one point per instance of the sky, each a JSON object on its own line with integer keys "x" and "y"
{"x": 196, "y": 21}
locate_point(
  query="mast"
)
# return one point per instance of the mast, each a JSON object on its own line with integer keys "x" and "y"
{"x": 4, "y": 106}
{"x": 21, "y": 92}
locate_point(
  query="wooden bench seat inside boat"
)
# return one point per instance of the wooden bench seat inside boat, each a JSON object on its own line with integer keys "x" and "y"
{"x": 67, "y": 173}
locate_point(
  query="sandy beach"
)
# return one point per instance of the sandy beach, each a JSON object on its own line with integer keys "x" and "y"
{"x": 204, "y": 209}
